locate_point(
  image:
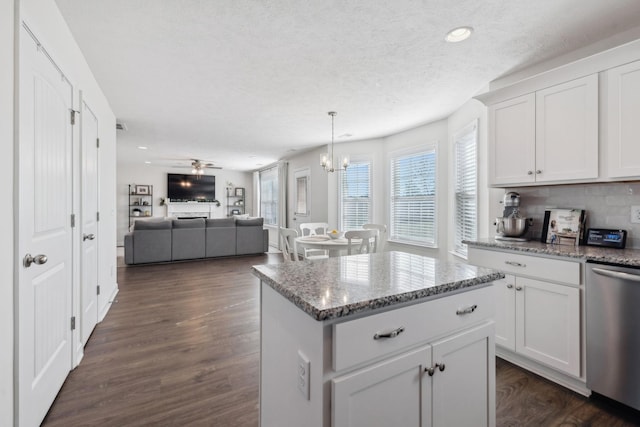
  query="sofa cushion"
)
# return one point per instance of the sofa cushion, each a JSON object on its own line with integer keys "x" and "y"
{"x": 188, "y": 223}
{"x": 152, "y": 224}
{"x": 221, "y": 222}
{"x": 253, "y": 222}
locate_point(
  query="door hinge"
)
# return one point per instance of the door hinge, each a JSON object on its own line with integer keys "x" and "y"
{"x": 73, "y": 220}
{"x": 73, "y": 323}
{"x": 97, "y": 142}
{"x": 73, "y": 115}
{"x": 98, "y": 289}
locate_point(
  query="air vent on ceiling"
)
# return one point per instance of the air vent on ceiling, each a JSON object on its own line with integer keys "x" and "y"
{"x": 121, "y": 126}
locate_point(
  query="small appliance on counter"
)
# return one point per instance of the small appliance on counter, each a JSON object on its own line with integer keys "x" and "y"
{"x": 512, "y": 226}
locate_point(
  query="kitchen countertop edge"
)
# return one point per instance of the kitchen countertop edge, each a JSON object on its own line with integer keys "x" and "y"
{"x": 621, "y": 257}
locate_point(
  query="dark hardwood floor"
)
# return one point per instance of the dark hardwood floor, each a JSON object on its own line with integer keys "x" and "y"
{"x": 181, "y": 347}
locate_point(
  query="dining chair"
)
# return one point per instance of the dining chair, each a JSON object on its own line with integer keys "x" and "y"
{"x": 382, "y": 234}
{"x": 368, "y": 241}
{"x": 314, "y": 229}
{"x": 288, "y": 244}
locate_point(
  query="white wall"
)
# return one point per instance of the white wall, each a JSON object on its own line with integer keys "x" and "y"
{"x": 7, "y": 256}
{"x": 157, "y": 176}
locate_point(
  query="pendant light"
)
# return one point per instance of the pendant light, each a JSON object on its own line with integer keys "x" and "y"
{"x": 327, "y": 160}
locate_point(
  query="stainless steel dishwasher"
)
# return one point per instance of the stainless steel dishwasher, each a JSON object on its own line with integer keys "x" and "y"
{"x": 613, "y": 337}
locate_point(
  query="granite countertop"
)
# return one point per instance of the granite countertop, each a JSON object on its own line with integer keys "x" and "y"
{"x": 341, "y": 286}
{"x": 623, "y": 257}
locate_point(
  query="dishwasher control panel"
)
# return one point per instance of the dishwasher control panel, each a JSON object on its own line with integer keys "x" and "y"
{"x": 607, "y": 238}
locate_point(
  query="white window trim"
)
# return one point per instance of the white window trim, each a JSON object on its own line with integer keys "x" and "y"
{"x": 297, "y": 174}
{"x": 359, "y": 159}
{"x": 433, "y": 145}
{"x": 471, "y": 127}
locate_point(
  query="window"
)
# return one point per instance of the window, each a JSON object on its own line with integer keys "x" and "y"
{"x": 355, "y": 196}
{"x": 301, "y": 192}
{"x": 465, "y": 187}
{"x": 413, "y": 197}
{"x": 269, "y": 195}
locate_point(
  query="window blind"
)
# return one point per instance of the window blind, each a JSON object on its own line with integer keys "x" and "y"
{"x": 466, "y": 184}
{"x": 355, "y": 196}
{"x": 269, "y": 195}
{"x": 413, "y": 198}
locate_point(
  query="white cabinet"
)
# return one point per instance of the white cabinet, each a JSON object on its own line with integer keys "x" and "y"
{"x": 512, "y": 136}
{"x": 443, "y": 355}
{"x": 545, "y": 137}
{"x": 423, "y": 387}
{"x": 539, "y": 320}
{"x": 623, "y": 126}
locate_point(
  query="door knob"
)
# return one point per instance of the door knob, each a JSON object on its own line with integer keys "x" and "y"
{"x": 88, "y": 237}
{"x": 38, "y": 259}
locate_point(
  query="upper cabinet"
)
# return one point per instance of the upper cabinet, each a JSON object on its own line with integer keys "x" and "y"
{"x": 623, "y": 124}
{"x": 549, "y": 136}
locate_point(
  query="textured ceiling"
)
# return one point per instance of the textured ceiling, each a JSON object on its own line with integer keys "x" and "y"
{"x": 243, "y": 82}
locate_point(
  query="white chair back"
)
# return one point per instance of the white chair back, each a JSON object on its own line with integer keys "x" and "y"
{"x": 382, "y": 234}
{"x": 288, "y": 244}
{"x": 368, "y": 243}
{"x": 314, "y": 229}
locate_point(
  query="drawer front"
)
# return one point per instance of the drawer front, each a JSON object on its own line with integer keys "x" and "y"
{"x": 553, "y": 270}
{"x": 354, "y": 341}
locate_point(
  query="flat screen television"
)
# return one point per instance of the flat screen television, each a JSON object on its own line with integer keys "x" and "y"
{"x": 188, "y": 188}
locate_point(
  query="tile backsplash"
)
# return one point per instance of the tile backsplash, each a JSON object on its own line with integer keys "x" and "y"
{"x": 608, "y": 205}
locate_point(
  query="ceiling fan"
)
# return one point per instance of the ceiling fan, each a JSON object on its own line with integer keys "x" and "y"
{"x": 198, "y": 166}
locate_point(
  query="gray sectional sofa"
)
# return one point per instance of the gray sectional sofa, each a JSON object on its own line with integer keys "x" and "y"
{"x": 163, "y": 240}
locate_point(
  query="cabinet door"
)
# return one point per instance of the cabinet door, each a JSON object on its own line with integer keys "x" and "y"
{"x": 548, "y": 324}
{"x": 567, "y": 131}
{"x": 512, "y": 141}
{"x": 505, "y": 317}
{"x": 464, "y": 391}
{"x": 395, "y": 392}
{"x": 623, "y": 106}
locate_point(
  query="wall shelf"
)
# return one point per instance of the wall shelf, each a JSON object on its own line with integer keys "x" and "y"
{"x": 235, "y": 201}
{"x": 140, "y": 202}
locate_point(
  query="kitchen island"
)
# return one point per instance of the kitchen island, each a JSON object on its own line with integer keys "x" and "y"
{"x": 376, "y": 339}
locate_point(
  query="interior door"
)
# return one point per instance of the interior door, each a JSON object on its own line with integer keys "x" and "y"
{"x": 44, "y": 231}
{"x": 89, "y": 218}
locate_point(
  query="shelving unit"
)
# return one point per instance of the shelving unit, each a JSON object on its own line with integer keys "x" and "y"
{"x": 235, "y": 201}
{"x": 140, "y": 202}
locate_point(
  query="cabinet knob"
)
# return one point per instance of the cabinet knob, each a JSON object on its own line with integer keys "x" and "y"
{"x": 509, "y": 286}
{"x": 518, "y": 288}
{"x": 529, "y": 172}
{"x": 538, "y": 171}
{"x": 432, "y": 370}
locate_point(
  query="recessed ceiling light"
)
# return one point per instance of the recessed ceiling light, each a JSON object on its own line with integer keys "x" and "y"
{"x": 142, "y": 147}
{"x": 147, "y": 162}
{"x": 458, "y": 34}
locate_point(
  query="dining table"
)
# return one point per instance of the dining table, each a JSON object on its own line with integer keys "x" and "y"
{"x": 335, "y": 247}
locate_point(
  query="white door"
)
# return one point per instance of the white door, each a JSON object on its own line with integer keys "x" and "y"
{"x": 567, "y": 131}
{"x": 391, "y": 393}
{"x": 44, "y": 231}
{"x": 463, "y": 378}
{"x": 548, "y": 324}
{"x": 512, "y": 141}
{"x": 89, "y": 218}
{"x": 505, "y": 316}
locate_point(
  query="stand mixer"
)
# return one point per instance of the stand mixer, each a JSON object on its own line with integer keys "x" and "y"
{"x": 511, "y": 226}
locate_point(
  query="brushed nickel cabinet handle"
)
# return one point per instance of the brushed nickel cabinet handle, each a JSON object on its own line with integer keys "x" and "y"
{"x": 515, "y": 264}
{"x": 466, "y": 310}
{"x": 389, "y": 334}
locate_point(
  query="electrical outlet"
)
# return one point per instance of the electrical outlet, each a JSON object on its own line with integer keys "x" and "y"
{"x": 303, "y": 367}
{"x": 635, "y": 214}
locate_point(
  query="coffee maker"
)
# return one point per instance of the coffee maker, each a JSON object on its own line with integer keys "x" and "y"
{"x": 512, "y": 226}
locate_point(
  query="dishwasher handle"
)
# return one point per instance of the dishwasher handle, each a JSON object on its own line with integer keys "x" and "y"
{"x": 616, "y": 274}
